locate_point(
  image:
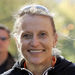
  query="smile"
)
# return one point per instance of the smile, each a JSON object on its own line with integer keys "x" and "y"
{"x": 36, "y": 51}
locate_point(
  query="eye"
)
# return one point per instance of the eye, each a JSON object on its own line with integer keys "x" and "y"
{"x": 27, "y": 36}
{"x": 43, "y": 34}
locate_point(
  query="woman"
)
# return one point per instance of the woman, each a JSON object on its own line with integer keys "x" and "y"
{"x": 36, "y": 38}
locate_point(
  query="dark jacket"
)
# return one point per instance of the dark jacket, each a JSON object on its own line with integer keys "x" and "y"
{"x": 62, "y": 67}
{"x": 7, "y": 64}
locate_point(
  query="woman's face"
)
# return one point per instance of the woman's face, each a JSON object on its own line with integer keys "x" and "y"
{"x": 36, "y": 38}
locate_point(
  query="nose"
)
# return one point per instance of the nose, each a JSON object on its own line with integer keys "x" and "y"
{"x": 35, "y": 42}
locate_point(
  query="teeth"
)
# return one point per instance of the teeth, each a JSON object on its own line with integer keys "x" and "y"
{"x": 35, "y": 51}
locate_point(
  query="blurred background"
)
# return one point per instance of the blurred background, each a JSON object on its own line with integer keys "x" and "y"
{"x": 64, "y": 17}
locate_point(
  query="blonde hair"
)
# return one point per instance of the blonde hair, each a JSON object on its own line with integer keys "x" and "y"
{"x": 32, "y": 10}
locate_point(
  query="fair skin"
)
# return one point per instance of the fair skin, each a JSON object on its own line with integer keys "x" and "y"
{"x": 4, "y": 44}
{"x": 36, "y": 42}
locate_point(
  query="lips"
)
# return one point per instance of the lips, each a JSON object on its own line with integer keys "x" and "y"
{"x": 36, "y": 50}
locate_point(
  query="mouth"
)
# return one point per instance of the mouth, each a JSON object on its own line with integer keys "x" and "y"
{"x": 36, "y": 50}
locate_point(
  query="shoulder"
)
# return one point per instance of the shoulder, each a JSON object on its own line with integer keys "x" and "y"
{"x": 16, "y": 70}
{"x": 13, "y": 71}
{"x": 64, "y": 66}
{"x": 9, "y": 72}
{"x": 65, "y": 63}
{"x": 70, "y": 69}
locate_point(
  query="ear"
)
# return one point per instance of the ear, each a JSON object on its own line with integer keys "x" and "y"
{"x": 55, "y": 39}
{"x": 53, "y": 61}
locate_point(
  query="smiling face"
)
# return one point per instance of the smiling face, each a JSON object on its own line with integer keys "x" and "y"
{"x": 36, "y": 38}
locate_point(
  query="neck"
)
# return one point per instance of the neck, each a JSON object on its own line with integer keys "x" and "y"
{"x": 38, "y": 69}
{"x": 3, "y": 57}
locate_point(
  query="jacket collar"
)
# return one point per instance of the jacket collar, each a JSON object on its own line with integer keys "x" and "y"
{"x": 60, "y": 64}
{"x": 20, "y": 65}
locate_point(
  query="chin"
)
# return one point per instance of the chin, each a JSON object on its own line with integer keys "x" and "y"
{"x": 36, "y": 61}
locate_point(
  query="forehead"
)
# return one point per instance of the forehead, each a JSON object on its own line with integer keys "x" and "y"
{"x": 3, "y": 32}
{"x": 37, "y": 22}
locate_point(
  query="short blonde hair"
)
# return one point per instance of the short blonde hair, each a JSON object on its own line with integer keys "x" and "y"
{"x": 33, "y": 10}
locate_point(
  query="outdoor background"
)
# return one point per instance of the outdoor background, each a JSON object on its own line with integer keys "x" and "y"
{"x": 64, "y": 17}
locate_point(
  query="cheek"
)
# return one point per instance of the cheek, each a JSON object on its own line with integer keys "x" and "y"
{"x": 23, "y": 48}
{"x": 24, "y": 45}
{"x": 48, "y": 43}
{"x": 7, "y": 44}
{"x": 48, "y": 46}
